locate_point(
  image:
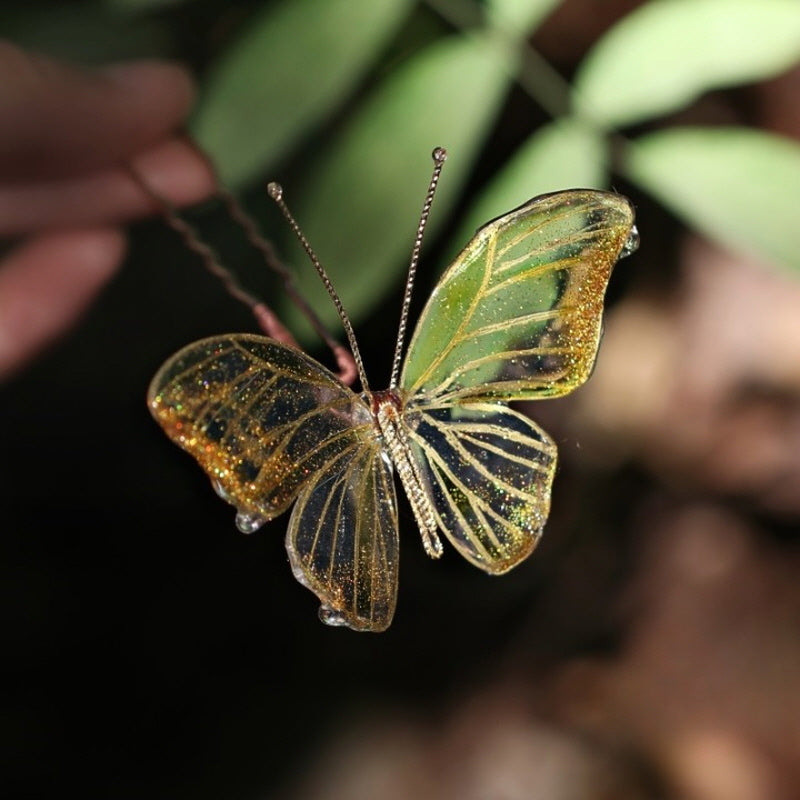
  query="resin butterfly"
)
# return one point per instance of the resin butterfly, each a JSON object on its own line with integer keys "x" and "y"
{"x": 517, "y": 316}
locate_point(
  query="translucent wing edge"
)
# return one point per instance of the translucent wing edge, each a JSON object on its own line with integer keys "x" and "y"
{"x": 363, "y": 479}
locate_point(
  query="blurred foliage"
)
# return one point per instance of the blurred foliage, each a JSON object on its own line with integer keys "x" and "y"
{"x": 353, "y": 94}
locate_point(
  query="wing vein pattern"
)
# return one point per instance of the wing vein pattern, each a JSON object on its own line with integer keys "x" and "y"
{"x": 343, "y": 541}
{"x": 518, "y": 314}
{"x": 488, "y": 472}
{"x": 262, "y": 419}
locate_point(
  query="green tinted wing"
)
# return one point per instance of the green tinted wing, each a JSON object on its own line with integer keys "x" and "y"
{"x": 262, "y": 419}
{"x": 518, "y": 314}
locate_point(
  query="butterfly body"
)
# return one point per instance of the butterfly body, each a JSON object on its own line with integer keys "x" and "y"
{"x": 388, "y": 408}
{"x": 517, "y": 316}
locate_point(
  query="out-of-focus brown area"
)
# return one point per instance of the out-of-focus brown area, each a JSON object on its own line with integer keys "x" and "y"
{"x": 699, "y": 702}
{"x": 702, "y": 386}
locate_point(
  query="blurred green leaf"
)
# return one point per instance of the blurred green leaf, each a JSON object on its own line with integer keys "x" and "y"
{"x": 667, "y": 52}
{"x": 84, "y": 32}
{"x": 739, "y": 186}
{"x": 361, "y": 206}
{"x": 519, "y": 16}
{"x": 295, "y": 62}
{"x": 140, "y": 6}
{"x": 564, "y": 154}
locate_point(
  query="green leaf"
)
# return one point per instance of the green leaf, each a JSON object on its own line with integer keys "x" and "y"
{"x": 84, "y": 32}
{"x": 739, "y": 186}
{"x": 564, "y": 154}
{"x": 667, "y": 52}
{"x": 361, "y": 205}
{"x": 141, "y": 6}
{"x": 295, "y": 62}
{"x": 519, "y": 16}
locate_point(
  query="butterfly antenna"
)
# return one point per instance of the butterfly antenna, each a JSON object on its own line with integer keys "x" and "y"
{"x": 439, "y": 156}
{"x": 275, "y": 191}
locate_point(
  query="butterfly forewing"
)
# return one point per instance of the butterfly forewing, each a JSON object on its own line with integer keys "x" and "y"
{"x": 261, "y": 418}
{"x": 488, "y": 471}
{"x": 518, "y": 314}
{"x": 342, "y": 539}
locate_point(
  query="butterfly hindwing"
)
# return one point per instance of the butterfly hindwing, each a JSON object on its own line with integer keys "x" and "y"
{"x": 343, "y": 539}
{"x": 488, "y": 472}
{"x": 518, "y": 313}
{"x": 262, "y": 419}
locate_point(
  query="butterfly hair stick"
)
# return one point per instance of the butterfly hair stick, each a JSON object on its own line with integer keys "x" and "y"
{"x": 266, "y": 318}
{"x": 516, "y": 316}
{"x": 344, "y": 359}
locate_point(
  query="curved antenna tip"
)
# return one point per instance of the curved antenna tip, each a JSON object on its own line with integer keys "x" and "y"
{"x": 275, "y": 191}
{"x": 439, "y": 155}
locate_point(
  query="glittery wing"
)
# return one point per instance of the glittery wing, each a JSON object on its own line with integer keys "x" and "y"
{"x": 518, "y": 313}
{"x": 342, "y": 539}
{"x": 487, "y": 471}
{"x": 262, "y": 419}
